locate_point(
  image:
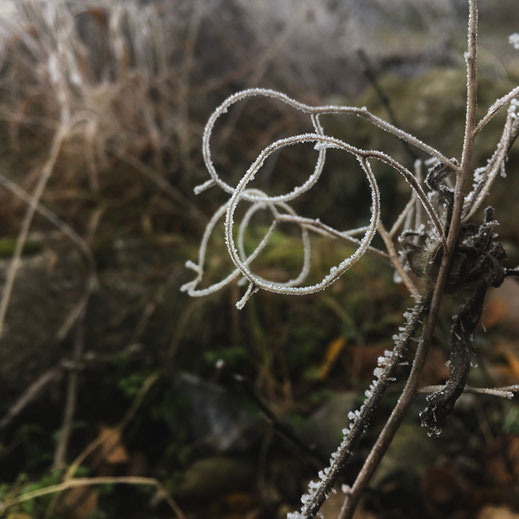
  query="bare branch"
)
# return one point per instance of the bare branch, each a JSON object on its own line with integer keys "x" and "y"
{"x": 500, "y": 103}
{"x": 502, "y": 392}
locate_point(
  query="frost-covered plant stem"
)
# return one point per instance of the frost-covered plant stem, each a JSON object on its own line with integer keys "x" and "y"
{"x": 319, "y": 491}
{"x": 409, "y": 392}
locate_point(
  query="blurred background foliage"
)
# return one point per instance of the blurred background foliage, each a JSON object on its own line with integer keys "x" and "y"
{"x": 102, "y": 357}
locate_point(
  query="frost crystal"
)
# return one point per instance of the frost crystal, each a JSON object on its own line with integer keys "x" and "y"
{"x": 513, "y": 39}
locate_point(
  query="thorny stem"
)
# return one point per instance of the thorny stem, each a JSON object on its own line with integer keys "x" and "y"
{"x": 393, "y": 423}
{"x": 344, "y": 453}
{"x": 409, "y": 392}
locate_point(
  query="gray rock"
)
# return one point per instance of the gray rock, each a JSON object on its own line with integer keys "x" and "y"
{"x": 324, "y": 427}
{"x": 217, "y": 420}
{"x": 208, "y": 478}
{"x": 410, "y": 452}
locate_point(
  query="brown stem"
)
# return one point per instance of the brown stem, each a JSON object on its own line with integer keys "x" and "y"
{"x": 393, "y": 256}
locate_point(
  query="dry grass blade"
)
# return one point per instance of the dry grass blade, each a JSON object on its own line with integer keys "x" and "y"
{"x": 95, "y": 481}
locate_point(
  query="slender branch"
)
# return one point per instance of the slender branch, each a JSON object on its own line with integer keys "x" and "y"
{"x": 472, "y": 86}
{"x": 71, "y": 398}
{"x": 143, "y": 391}
{"x": 393, "y": 423}
{"x": 30, "y": 394}
{"x": 321, "y": 228}
{"x": 393, "y": 256}
{"x": 500, "y": 103}
{"x": 502, "y": 392}
{"x": 370, "y": 74}
{"x": 44, "y": 176}
{"x": 403, "y": 215}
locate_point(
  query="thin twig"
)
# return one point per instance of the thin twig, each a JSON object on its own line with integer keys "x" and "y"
{"x": 27, "y": 221}
{"x": 30, "y": 394}
{"x": 502, "y": 392}
{"x": 500, "y": 103}
{"x": 72, "y": 389}
{"x": 403, "y": 215}
{"x": 158, "y": 180}
{"x": 370, "y": 74}
{"x": 393, "y": 256}
{"x": 325, "y": 230}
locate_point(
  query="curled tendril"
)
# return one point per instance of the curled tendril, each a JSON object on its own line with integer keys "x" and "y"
{"x": 335, "y": 272}
{"x": 192, "y": 287}
{"x": 278, "y": 204}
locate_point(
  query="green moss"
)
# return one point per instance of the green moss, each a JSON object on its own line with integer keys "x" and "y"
{"x": 8, "y": 245}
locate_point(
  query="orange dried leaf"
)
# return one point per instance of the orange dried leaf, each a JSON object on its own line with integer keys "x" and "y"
{"x": 80, "y": 502}
{"x": 331, "y": 355}
{"x": 493, "y": 313}
{"x": 513, "y": 363}
{"x": 112, "y": 449}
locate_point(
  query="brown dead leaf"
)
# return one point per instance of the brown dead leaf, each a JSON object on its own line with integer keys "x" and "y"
{"x": 111, "y": 448}
{"x": 493, "y": 312}
{"x": 80, "y": 502}
{"x": 513, "y": 363}
{"x": 501, "y": 460}
{"x": 507, "y": 372}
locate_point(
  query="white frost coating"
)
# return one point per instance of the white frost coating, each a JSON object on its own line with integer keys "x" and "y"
{"x": 282, "y": 212}
{"x": 513, "y": 39}
{"x": 206, "y": 148}
{"x": 314, "y": 112}
{"x": 249, "y": 176}
{"x": 305, "y": 238}
{"x": 485, "y": 177}
{"x": 191, "y": 287}
{"x": 251, "y": 290}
